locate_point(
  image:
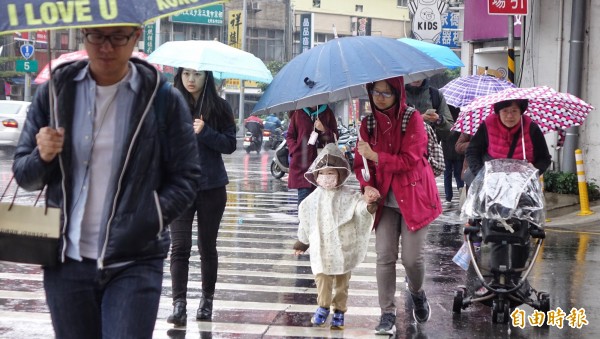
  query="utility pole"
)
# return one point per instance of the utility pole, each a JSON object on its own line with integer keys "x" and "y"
{"x": 243, "y": 37}
{"x": 511, "y": 48}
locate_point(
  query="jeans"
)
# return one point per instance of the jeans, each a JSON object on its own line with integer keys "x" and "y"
{"x": 210, "y": 205}
{"x": 391, "y": 235}
{"x": 303, "y": 193}
{"x": 453, "y": 168}
{"x": 120, "y": 302}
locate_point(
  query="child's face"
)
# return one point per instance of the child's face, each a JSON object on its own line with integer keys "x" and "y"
{"x": 328, "y": 178}
{"x": 329, "y": 171}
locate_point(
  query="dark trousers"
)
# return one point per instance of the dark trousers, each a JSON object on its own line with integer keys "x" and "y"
{"x": 210, "y": 205}
{"x": 119, "y": 302}
{"x": 453, "y": 168}
{"x": 303, "y": 193}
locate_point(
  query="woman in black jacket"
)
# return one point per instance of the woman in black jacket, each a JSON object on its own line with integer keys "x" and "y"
{"x": 215, "y": 132}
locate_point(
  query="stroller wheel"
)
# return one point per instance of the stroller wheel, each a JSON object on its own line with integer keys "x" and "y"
{"x": 457, "y": 305}
{"x": 500, "y": 312}
{"x": 544, "y": 302}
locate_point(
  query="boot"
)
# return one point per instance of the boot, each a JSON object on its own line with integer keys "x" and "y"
{"x": 206, "y": 306}
{"x": 179, "y": 316}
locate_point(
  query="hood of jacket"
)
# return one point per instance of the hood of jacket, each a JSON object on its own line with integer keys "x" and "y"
{"x": 330, "y": 157}
{"x": 397, "y": 84}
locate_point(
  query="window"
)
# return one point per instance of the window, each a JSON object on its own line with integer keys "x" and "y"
{"x": 317, "y": 3}
{"x": 402, "y": 3}
{"x": 266, "y": 44}
{"x": 359, "y": 8}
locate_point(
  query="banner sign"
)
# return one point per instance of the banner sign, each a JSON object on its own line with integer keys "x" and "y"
{"x": 361, "y": 26}
{"x": 149, "y": 35}
{"x": 307, "y": 32}
{"x": 508, "y": 7}
{"x": 235, "y": 35}
{"x": 209, "y": 15}
{"x": 450, "y": 36}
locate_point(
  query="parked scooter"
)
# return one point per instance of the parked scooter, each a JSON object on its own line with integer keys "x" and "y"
{"x": 272, "y": 139}
{"x": 280, "y": 164}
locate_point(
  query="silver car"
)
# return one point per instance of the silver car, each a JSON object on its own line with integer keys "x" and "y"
{"x": 12, "y": 119}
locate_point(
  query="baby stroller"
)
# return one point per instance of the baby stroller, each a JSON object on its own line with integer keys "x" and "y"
{"x": 506, "y": 207}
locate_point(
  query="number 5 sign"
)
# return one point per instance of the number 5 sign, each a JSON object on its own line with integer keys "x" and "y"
{"x": 508, "y": 7}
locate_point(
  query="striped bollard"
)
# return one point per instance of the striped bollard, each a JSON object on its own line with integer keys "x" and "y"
{"x": 584, "y": 200}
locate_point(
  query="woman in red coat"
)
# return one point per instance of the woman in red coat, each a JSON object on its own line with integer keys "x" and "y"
{"x": 303, "y": 123}
{"x": 410, "y": 198}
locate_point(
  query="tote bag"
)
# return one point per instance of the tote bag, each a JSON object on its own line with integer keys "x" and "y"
{"x": 28, "y": 234}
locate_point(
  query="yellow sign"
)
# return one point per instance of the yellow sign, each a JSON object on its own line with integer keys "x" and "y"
{"x": 236, "y": 33}
{"x": 235, "y": 83}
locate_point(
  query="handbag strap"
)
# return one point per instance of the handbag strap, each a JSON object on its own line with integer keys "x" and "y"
{"x": 513, "y": 145}
{"x": 12, "y": 202}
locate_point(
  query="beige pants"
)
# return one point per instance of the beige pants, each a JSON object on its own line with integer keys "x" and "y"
{"x": 325, "y": 286}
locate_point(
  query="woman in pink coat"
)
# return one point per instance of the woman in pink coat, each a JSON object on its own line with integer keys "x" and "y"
{"x": 410, "y": 200}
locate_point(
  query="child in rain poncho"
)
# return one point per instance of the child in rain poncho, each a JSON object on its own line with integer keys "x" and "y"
{"x": 335, "y": 221}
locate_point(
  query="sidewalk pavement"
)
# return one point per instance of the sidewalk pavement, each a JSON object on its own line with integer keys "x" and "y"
{"x": 574, "y": 222}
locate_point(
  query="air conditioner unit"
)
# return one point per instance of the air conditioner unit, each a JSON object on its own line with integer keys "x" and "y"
{"x": 256, "y": 6}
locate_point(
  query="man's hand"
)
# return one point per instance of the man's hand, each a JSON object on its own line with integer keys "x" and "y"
{"x": 366, "y": 151}
{"x": 50, "y": 142}
{"x": 198, "y": 125}
{"x": 430, "y": 115}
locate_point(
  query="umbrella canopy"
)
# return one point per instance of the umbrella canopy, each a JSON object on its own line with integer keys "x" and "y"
{"x": 461, "y": 91}
{"x": 338, "y": 70}
{"x": 33, "y": 15}
{"x": 440, "y": 53}
{"x": 550, "y": 109}
{"x": 223, "y": 60}
{"x": 44, "y": 75}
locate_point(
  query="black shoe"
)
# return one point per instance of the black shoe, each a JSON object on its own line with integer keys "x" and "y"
{"x": 179, "y": 316}
{"x": 421, "y": 310}
{"x": 387, "y": 324}
{"x": 206, "y": 307}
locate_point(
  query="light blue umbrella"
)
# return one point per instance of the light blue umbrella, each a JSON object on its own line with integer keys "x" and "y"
{"x": 440, "y": 53}
{"x": 339, "y": 69}
{"x": 224, "y": 61}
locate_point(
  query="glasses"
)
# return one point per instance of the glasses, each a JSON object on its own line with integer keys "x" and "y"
{"x": 375, "y": 93}
{"x": 115, "y": 40}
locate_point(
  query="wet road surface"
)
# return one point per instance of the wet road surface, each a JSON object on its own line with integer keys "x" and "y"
{"x": 263, "y": 291}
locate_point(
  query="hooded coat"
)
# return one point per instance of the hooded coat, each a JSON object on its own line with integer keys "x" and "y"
{"x": 403, "y": 168}
{"x": 302, "y": 154}
{"x": 335, "y": 223}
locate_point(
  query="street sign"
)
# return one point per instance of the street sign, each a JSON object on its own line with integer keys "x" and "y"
{"x": 27, "y": 66}
{"x": 27, "y": 51}
{"x": 508, "y": 7}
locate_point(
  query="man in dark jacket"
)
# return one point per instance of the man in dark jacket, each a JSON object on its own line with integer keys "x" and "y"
{"x": 120, "y": 169}
{"x": 430, "y": 102}
{"x": 453, "y": 161}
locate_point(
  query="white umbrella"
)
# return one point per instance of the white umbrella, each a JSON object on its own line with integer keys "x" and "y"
{"x": 224, "y": 61}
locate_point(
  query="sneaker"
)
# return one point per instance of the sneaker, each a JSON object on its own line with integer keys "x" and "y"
{"x": 421, "y": 310}
{"x": 337, "y": 321}
{"x": 320, "y": 316}
{"x": 387, "y": 324}
{"x": 447, "y": 203}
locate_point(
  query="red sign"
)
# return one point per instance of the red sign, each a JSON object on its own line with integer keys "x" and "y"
{"x": 39, "y": 36}
{"x": 508, "y": 7}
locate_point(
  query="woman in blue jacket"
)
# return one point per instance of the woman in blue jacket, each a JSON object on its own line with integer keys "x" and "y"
{"x": 214, "y": 126}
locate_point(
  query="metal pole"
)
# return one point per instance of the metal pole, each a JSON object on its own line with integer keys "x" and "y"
{"x": 157, "y": 33}
{"x": 578, "y": 22}
{"x": 511, "y": 48}
{"x": 243, "y": 37}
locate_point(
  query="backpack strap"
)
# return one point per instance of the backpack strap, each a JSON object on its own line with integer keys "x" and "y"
{"x": 436, "y": 100}
{"x": 161, "y": 104}
{"x": 371, "y": 124}
{"x": 406, "y": 117}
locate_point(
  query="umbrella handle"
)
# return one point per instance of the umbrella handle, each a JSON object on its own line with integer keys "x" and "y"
{"x": 365, "y": 171}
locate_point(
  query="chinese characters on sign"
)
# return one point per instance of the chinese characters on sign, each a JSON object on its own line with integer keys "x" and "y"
{"x": 149, "y": 34}
{"x": 306, "y": 32}
{"x": 449, "y": 37}
{"x": 211, "y": 15}
{"x": 361, "y": 26}
{"x": 575, "y": 319}
{"x": 508, "y": 7}
{"x": 235, "y": 35}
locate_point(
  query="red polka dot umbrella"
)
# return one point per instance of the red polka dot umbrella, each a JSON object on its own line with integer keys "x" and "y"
{"x": 551, "y": 110}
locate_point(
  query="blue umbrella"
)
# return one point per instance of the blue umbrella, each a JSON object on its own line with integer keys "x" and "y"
{"x": 339, "y": 69}
{"x": 440, "y": 53}
{"x": 33, "y": 15}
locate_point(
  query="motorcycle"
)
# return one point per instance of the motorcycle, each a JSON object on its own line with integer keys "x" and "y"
{"x": 252, "y": 143}
{"x": 280, "y": 164}
{"x": 272, "y": 139}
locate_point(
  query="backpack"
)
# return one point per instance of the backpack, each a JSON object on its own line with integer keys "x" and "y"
{"x": 435, "y": 154}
